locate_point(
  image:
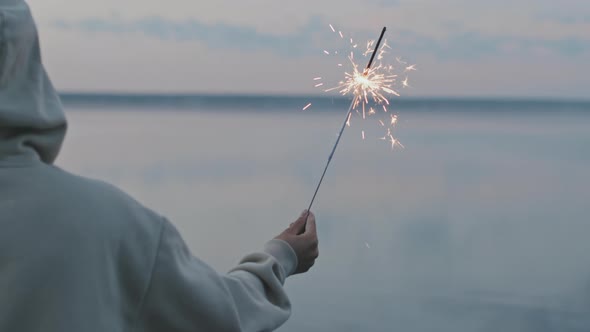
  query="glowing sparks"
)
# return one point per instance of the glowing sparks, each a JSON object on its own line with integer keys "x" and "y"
{"x": 370, "y": 88}
{"x": 405, "y": 82}
{"x": 306, "y": 106}
{"x": 373, "y": 84}
{"x": 389, "y": 138}
{"x": 393, "y": 120}
{"x": 410, "y": 68}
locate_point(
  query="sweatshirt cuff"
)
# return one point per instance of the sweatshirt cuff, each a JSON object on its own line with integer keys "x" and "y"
{"x": 283, "y": 253}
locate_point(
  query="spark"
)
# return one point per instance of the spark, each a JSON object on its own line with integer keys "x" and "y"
{"x": 367, "y": 85}
{"x": 306, "y": 106}
{"x": 393, "y": 120}
{"x": 405, "y": 82}
{"x": 393, "y": 141}
{"x": 368, "y": 51}
{"x": 389, "y": 137}
{"x": 372, "y": 86}
{"x": 367, "y": 245}
{"x": 410, "y": 68}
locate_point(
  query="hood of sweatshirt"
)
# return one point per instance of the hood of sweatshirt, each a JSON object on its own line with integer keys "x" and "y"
{"x": 32, "y": 121}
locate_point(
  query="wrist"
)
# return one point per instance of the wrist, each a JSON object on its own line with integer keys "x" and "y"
{"x": 284, "y": 254}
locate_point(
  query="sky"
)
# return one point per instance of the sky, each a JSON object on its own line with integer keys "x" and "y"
{"x": 519, "y": 48}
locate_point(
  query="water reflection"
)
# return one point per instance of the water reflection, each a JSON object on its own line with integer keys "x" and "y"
{"x": 480, "y": 224}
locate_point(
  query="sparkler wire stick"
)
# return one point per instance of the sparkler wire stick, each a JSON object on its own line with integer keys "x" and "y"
{"x": 348, "y": 114}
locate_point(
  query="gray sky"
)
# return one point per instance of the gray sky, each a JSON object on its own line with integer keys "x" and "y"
{"x": 461, "y": 47}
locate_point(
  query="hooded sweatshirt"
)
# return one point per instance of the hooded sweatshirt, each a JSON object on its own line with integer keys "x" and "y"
{"x": 80, "y": 255}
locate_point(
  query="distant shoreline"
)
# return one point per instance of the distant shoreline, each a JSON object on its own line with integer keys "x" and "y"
{"x": 236, "y": 102}
{"x": 70, "y": 95}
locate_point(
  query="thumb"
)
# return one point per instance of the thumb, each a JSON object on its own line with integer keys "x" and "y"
{"x": 298, "y": 226}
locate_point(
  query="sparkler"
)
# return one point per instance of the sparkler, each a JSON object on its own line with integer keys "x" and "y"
{"x": 372, "y": 83}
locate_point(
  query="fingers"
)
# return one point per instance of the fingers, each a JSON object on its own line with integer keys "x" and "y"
{"x": 298, "y": 226}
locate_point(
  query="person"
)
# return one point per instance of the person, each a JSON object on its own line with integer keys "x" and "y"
{"x": 80, "y": 255}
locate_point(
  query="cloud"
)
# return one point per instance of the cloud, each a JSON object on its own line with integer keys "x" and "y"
{"x": 219, "y": 35}
{"x": 474, "y": 46}
{"x": 386, "y": 3}
{"x": 570, "y": 17}
{"x": 458, "y": 44}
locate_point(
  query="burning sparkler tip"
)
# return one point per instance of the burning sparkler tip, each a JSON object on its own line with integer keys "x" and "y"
{"x": 372, "y": 84}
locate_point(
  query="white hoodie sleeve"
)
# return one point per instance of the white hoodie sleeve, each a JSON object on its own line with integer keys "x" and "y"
{"x": 185, "y": 294}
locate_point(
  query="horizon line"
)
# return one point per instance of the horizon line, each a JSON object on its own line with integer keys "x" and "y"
{"x": 129, "y": 94}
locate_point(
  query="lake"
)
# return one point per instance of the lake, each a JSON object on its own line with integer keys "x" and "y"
{"x": 481, "y": 223}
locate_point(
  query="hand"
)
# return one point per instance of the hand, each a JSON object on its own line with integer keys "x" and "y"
{"x": 303, "y": 240}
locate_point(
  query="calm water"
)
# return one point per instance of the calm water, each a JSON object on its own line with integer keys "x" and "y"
{"x": 480, "y": 224}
